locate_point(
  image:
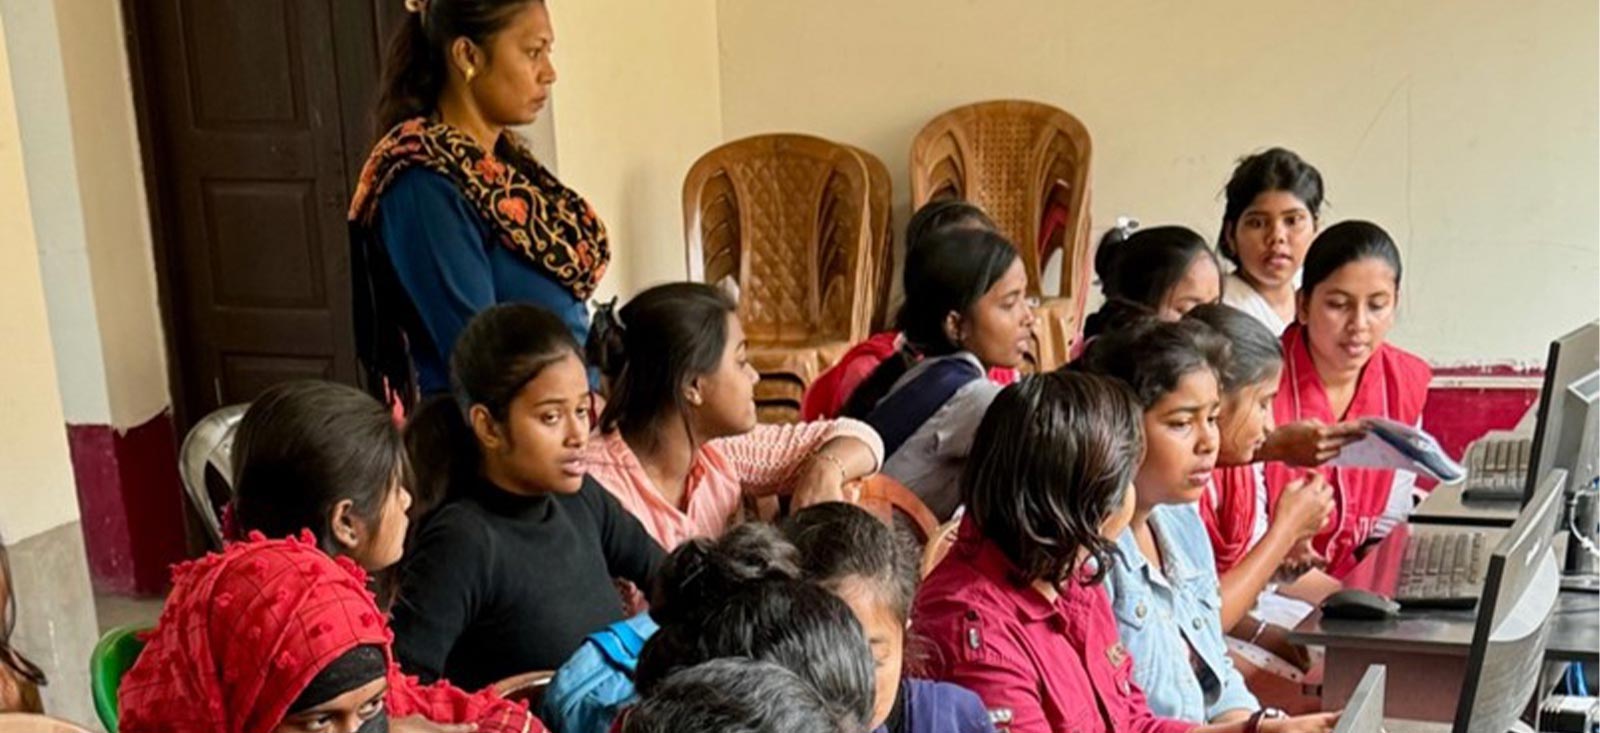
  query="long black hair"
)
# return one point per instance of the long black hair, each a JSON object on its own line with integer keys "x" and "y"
{"x": 305, "y": 446}
{"x": 415, "y": 71}
{"x": 1138, "y": 267}
{"x": 735, "y": 695}
{"x": 653, "y": 347}
{"x": 702, "y": 572}
{"x": 500, "y": 351}
{"x": 1052, "y": 460}
{"x": 10, "y": 658}
{"x": 947, "y": 273}
{"x": 1274, "y": 169}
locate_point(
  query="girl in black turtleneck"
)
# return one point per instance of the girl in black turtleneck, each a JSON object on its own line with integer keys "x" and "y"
{"x": 513, "y": 564}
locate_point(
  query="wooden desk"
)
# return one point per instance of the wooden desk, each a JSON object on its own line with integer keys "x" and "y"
{"x": 1426, "y": 651}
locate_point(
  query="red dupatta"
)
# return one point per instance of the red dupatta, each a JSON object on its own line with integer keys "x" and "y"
{"x": 1228, "y": 509}
{"x": 1393, "y": 385}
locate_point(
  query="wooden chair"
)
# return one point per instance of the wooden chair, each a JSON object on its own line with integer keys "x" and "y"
{"x": 788, "y": 220}
{"x": 939, "y": 545}
{"x": 528, "y": 687}
{"x": 30, "y": 723}
{"x": 1027, "y": 165}
{"x": 888, "y": 499}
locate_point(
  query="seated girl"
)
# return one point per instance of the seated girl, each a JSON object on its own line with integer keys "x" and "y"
{"x": 1016, "y": 610}
{"x": 792, "y": 623}
{"x": 736, "y": 695}
{"x": 828, "y": 393}
{"x": 1162, "y": 271}
{"x": 857, "y": 557}
{"x": 679, "y": 445}
{"x": 20, "y": 679}
{"x": 324, "y": 457}
{"x": 966, "y": 310}
{"x": 589, "y": 689}
{"x": 275, "y": 636}
{"x": 1273, "y": 200}
{"x": 515, "y": 567}
{"x": 1340, "y": 367}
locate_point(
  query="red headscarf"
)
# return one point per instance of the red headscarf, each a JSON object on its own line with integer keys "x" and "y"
{"x": 1394, "y": 385}
{"x": 245, "y": 631}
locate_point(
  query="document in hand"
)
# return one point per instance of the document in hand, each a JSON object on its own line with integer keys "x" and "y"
{"x": 1396, "y": 445}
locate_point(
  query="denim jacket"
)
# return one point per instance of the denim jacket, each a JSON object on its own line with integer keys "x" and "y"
{"x": 1162, "y": 616}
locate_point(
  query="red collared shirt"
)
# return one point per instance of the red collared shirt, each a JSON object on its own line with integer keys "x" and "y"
{"x": 1040, "y": 666}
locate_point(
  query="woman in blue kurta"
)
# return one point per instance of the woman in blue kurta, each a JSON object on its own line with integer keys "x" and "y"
{"x": 452, "y": 213}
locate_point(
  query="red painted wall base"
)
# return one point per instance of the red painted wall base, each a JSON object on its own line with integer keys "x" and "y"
{"x": 131, "y": 500}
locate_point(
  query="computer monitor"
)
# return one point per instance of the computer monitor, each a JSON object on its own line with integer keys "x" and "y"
{"x": 1363, "y": 712}
{"x": 1567, "y": 429}
{"x": 1519, "y": 597}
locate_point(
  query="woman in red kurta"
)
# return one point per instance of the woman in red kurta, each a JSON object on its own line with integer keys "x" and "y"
{"x": 1339, "y": 367}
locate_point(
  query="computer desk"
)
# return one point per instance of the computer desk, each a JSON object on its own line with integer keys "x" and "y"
{"x": 1426, "y": 651}
{"x": 1444, "y": 504}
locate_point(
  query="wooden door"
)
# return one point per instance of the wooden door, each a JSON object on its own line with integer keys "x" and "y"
{"x": 254, "y": 118}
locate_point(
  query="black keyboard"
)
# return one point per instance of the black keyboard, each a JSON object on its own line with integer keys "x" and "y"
{"x": 1443, "y": 570}
{"x": 1497, "y": 469}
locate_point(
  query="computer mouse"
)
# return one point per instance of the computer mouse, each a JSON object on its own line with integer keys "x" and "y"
{"x": 1356, "y": 604}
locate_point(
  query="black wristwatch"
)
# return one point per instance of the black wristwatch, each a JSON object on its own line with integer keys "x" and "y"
{"x": 1254, "y": 724}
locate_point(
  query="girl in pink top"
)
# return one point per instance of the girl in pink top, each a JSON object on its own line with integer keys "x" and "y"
{"x": 679, "y": 445}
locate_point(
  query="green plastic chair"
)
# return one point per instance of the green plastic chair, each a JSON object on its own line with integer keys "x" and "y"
{"x": 113, "y": 656}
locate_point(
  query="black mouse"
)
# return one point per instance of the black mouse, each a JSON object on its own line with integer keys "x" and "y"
{"x": 1353, "y": 603}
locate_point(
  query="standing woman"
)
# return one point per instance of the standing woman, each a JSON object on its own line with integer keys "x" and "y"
{"x": 452, "y": 213}
{"x": 1274, "y": 200}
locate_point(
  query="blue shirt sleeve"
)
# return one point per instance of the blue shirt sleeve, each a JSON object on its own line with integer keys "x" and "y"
{"x": 1187, "y": 531}
{"x": 436, "y": 243}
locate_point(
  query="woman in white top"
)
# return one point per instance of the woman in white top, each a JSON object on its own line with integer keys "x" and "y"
{"x": 1274, "y": 199}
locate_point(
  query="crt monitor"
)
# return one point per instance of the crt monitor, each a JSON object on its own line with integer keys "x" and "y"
{"x": 1566, "y": 432}
{"x": 1519, "y": 597}
{"x": 1363, "y": 712}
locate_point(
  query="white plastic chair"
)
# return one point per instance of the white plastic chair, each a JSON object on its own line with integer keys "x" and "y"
{"x": 209, "y": 444}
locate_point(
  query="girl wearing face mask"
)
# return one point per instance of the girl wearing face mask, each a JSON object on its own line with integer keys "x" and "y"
{"x": 679, "y": 445}
{"x": 1338, "y": 367}
{"x": 275, "y": 636}
{"x": 452, "y": 213}
{"x": 966, "y": 311}
{"x": 515, "y": 567}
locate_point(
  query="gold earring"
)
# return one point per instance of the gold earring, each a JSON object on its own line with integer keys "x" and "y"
{"x": 472, "y": 71}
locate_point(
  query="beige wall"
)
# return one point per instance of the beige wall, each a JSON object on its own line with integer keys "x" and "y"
{"x": 636, "y": 102}
{"x": 36, "y": 487}
{"x": 1467, "y": 128}
{"x": 88, "y": 200}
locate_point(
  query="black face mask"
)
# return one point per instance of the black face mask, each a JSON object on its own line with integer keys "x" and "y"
{"x": 378, "y": 724}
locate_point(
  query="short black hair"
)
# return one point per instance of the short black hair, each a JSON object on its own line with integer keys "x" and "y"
{"x": 1274, "y": 169}
{"x": 793, "y": 623}
{"x": 1053, "y": 459}
{"x": 838, "y": 541}
{"x": 1254, "y": 353}
{"x": 1344, "y": 243}
{"x": 1152, "y": 355}
{"x": 734, "y": 695}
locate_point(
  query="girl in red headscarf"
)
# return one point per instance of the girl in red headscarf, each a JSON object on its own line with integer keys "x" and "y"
{"x": 274, "y": 636}
{"x": 1339, "y": 367}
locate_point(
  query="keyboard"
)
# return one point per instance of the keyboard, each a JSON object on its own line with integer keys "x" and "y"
{"x": 1443, "y": 570}
{"x": 1497, "y": 469}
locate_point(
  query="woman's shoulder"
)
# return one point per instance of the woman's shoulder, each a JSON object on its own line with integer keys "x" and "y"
{"x": 1409, "y": 365}
{"x": 420, "y": 184}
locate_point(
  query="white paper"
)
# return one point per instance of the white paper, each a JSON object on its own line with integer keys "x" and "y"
{"x": 1376, "y": 450}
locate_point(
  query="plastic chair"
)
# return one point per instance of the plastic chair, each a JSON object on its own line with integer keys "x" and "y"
{"x": 788, "y": 221}
{"x": 30, "y": 723}
{"x": 527, "y": 687}
{"x": 113, "y": 656}
{"x": 886, "y": 498}
{"x": 209, "y": 444}
{"x": 1027, "y": 165}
